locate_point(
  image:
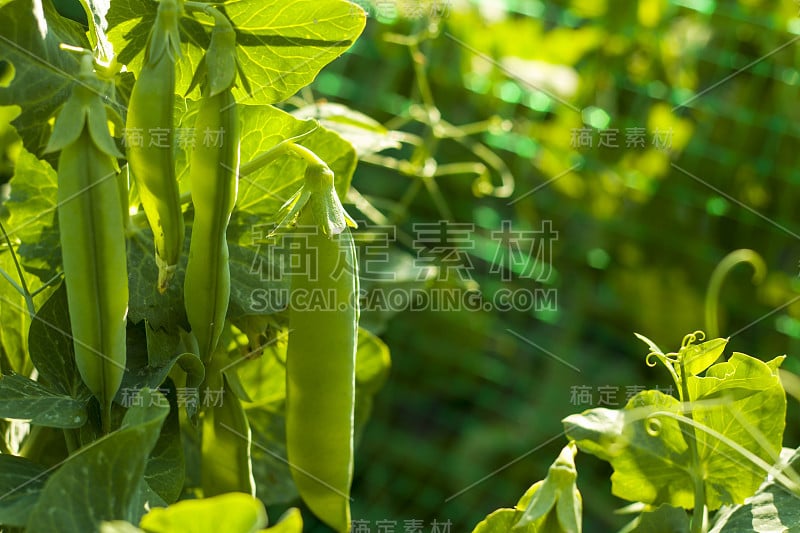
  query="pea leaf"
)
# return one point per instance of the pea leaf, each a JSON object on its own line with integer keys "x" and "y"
{"x": 664, "y": 519}
{"x": 649, "y": 457}
{"x": 373, "y": 362}
{"x": 165, "y": 469}
{"x": 119, "y": 526}
{"x": 32, "y": 215}
{"x": 282, "y": 50}
{"x": 148, "y": 368}
{"x": 741, "y": 399}
{"x": 43, "y": 74}
{"x": 67, "y": 505}
{"x": 772, "y": 508}
{"x": 162, "y": 311}
{"x": 698, "y": 357}
{"x": 747, "y": 403}
{"x": 290, "y": 522}
{"x": 367, "y": 135}
{"x": 21, "y": 482}
{"x": 233, "y": 512}
{"x": 52, "y": 349}
{"x": 24, "y": 399}
{"x": 16, "y": 322}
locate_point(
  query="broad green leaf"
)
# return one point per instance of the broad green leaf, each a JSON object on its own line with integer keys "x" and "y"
{"x": 165, "y": 471}
{"x": 367, "y": 135}
{"x": 232, "y": 512}
{"x": 649, "y": 454}
{"x": 741, "y": 399}
{"x": 665, "y": 519}
{"x": 698, "y": 357}
{"x": 264, "y": 377}
{"x": 144, "y": 499}
{"x": 162, "y": 311}
{"x": 52, "y": 349}
{"x": 32, "y": 219}
{"x": 599, "y": 432}
{"x": 282, "y": 47}
{"x": 21, "y": 482}
{"x": 557, "y": 502}
{"x": 116, "y": 462}
{"x": 745, "y": 402}
{"x": 151, "y": 356}
{"x": 43, "y": 74}
{"x": 772, "y": 508}
{"x": 24, "y": 399}
{"x": 372, "y": 362}
{"x": 256, "y": 287}
{"x": 45, "y": 446}
{"x": 15, "y": 319}
{"x": 274, "y": 483}
{"x": 97, "y": 27}
{"x": 118, "y": 526}
{"x": 290, "y": 522}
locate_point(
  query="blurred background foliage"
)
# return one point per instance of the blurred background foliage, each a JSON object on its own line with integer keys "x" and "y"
{"x": 470, "y": 416}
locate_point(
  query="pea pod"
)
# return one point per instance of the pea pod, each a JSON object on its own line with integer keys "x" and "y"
{"x": 92, "y": 237}
{"x": 320, "y": 361}
{"x": 213, "y": 178}
{"x": 226, "y": 465}
{"x": 150, "y": 112}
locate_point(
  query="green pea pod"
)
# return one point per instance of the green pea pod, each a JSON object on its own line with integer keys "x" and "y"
{"x": 226, "y": 465}
{"x": 150, "y": 156}
{"x": 92, "y": 237}
{"x": 320, "y": 361}
{"x": 213, "y": 178}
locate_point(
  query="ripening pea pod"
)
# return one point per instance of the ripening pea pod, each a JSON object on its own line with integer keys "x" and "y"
{"x": 150, "y": 112}
{"x": 213, "y": 179}
{"x": 321, "y": 353}
{"x": 225, "y": 464}
{"x": 92, "y": 236}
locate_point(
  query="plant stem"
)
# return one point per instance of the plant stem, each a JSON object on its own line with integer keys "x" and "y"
{"x": 700, "y": 512}
{"x": 71, "y": 440}
{"x": 280, "y": 149}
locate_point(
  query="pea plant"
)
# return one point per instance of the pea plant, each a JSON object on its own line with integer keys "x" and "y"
{"x": 716, "y": 447}
{"x": 157, "y": 188}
